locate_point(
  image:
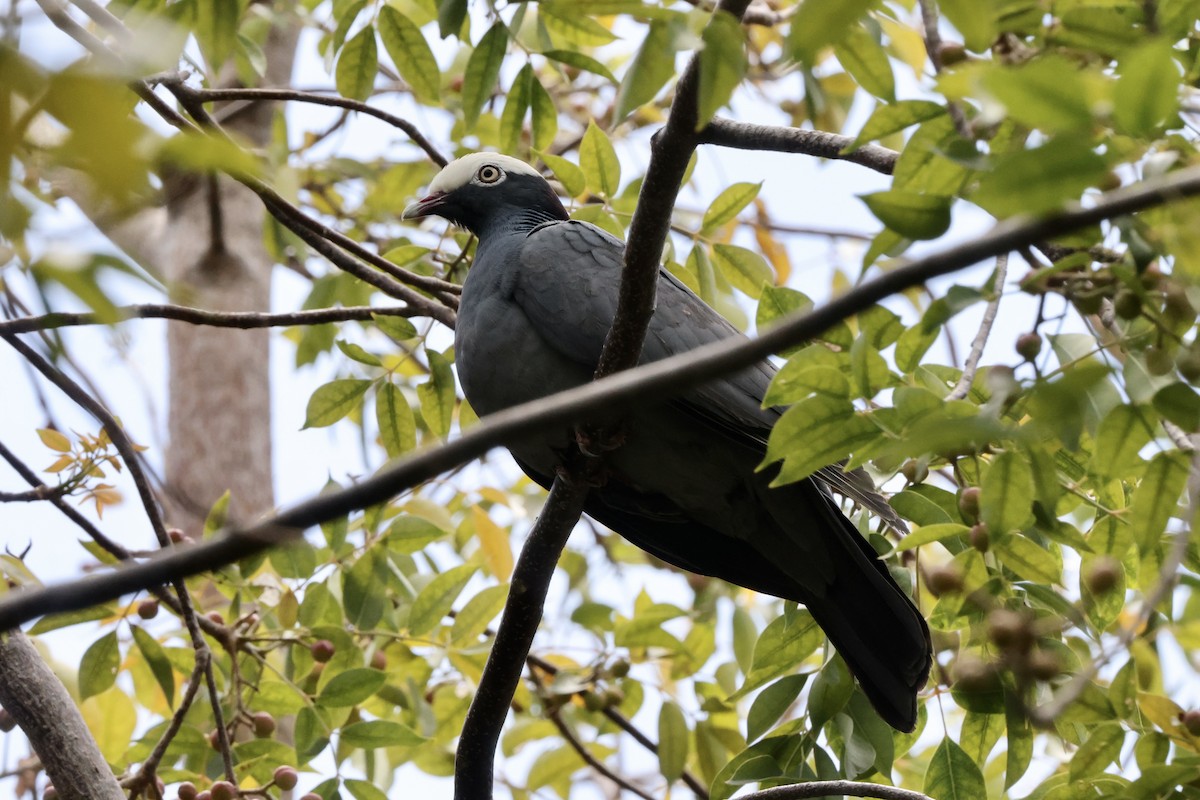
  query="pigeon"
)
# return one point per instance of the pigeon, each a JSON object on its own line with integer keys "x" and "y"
{"x": 685, "y": 484}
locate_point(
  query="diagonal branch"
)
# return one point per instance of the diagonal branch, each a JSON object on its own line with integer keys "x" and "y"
{"x": 799, "y": 791}
{"x": 750, "y": 136}
{"x": 244, "y": 320}
{"x": 660, "y": 379}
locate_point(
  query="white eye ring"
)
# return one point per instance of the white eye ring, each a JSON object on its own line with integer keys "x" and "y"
{"x": 489, "y": 174}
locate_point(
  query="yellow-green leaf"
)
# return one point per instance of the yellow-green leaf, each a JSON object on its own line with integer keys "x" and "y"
{"x": 580, "y": 61}
{"x": 357, "y": 64}
{"x": 437, "y": 395}
{"x": 1007, "y": 495}
{"x": 1147, "y": 92}
{"x": 672, "y": 740}
{"x": 819, "y": 23}
{"x": 952, "y": 775}
{"x": 722, "y": 64}
{"x": 729, "y": 204}
{"x": 54, "y": 440}
{"x": 482, "y": 72}
{"x": 481, "y": 609}
{"x": 397, "y": 426}
{"x": 334, "y": 400}
{"x": 745, "y": 269}
{"x": 1122, "y": 434}
{"x": 651, "y": 68}
{"x": 894, "y": 117}
{"x": 1155, "y": 499}
{"x": 98, "y": 667}
{"x": 351, "y": 687}
{"x": 494, "y": 541}
{"x": 864, "y": 58}
{"x": 377, "y": 733}
{"x": 410, "y": 53}
{"x": 912, "y": 215}
{"x": 544, "y": 116}
{"x": 111, "y": 718}
{"x": 216, "y": 30}
{"x": 516, "y": 103}
{"x": 568, "y": 173}
{"x": 598, "y": 158}
{"x": 437, "y": 598}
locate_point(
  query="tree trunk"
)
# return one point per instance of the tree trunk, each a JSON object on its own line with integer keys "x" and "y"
{"x": 219, "y": 415}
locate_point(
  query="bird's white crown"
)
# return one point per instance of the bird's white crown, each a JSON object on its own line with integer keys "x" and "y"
{"x": 459, "y": 172}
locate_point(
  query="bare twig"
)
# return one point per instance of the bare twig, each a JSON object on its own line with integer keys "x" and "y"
{"x": 580, "y": 748}
{"x": 985, "y": 329}
{"x": 146, "y": 773}
{"x": 293, "y": 95}
{"x": 198, "y": 316}
{"x": 659, "y": 379}
{"x": 933, "y": 46}
{"x": 748, "y": 136}
{"x": 36, "y": 494}
{"x": 799, "y": 791}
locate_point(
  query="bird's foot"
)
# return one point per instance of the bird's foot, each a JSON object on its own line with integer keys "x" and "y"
{"x": 597, "y": 442}
{"x": 590, "y": 472}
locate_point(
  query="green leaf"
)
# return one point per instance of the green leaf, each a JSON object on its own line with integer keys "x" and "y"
{"x": 377, "y": 733}
{"x": 358, "y": 353}
{"x": 598, "y": 159}
{"x": 1155, "y": 499}
{"x": 818, "y": 431}
{"x": 1122, "y": 434}
{"x": 651, "y": 68}
{"x": 580, "y": 61}
{"x": 974, "y": 19}
{"x": 1029, "y": 560}
{"x": 334, "y": 400}
{"x": 52, "y": 622}
{"x": 216, "y": 30}
{"x": 437, "y": 395}
{"x": 771, "y": 704}
{"x": 394, "y": 327}
{"x": 729, "y": 204}
{"x": 830, "y": 692}
{"x": 1035, "y": 181}
{"x": 1180, "y": 404}
{"x": 98, "y": 667}
{"x": 156, "y": 659}
{"x": 397, "y": 426}
{"x": 672, "y": 741}
{"x": 411, "y": 54}
{"x": 516, "y": 103}
{"x": 357, "y": 64}
{"x": 1146, "y": 92}
{"x": 363, "y": 790}
{"x": 1101, "y": 747}
{"x": 1005, "y": 502}
{"x": 451, "y": 15}
{"x": 544, "y": 119}
{"x": 819, "y": 23}
{"x": 482, "y": 72}
{"x": 437, "y": 598}
{"x": 351, "y": 687}
{"x": 364, "y": 589}
{"x": 864, "y": 58}
{"x": 722, "y": 64}
{"x": 565, "y": 18}
{"x": 480, "y": 610}
{"x": 952, "y": 775}
{"x": 568, "y": 174}
{"x": 1047, "y": 93}
{"x": 895, "y": 117}
{"x": 912, "y": 215}
{"x": 931, "y": 533}
{"x": 786, "y": 641}
{"x": 745, "y": 269}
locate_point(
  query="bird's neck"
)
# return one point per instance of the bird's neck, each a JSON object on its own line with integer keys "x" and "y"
{"x": 518, "y": 223}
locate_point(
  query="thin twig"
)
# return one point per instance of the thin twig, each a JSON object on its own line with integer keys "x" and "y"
{"x": 198, "y": 316}
{"x": 293, "y": 95}
{"x": 985, "y": 329}
{"x": 149, "y": 768}
{"x": 660, "y": 379}
{"x": 35, "y": 495}
{"x": 933, "y": 46}
{"x": 580, "y": 748}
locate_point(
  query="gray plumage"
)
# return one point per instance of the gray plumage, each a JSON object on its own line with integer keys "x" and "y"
{"x": 536, "y": 306}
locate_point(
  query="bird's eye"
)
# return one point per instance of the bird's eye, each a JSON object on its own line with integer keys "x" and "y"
{"x": 488, "y": 174}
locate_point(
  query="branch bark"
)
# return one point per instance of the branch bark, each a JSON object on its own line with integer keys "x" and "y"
{"x": 799, "y": 791}
{"x": 659, "y": 380}
{"x": 748, "y": 136}
{"x": 46, "y": 713}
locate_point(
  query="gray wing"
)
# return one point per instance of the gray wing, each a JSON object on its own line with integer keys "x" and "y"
{"x": 568, "y": 281}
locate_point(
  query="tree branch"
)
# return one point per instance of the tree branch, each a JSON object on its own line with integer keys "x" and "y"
{"x": 660, "y": 379}
{"x": 473, "y": 763}
{"x": 198, "y": 316}
{"x": 748, "y": 136}
{"x": 798, "y": 791}
{"x": 46, "y": 713}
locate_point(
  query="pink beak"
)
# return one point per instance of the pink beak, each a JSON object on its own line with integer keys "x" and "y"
{"x": 424, "y": 207}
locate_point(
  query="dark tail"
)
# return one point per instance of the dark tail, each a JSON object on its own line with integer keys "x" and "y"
{"x": 871, "y": 621}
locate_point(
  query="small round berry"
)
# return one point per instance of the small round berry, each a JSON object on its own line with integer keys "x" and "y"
{"x": 379, "y": 660}
{"x": 979, "y": 537}
{"x": 148, "y": 609}
{"x": 322, "y": 650}
{"x": 7, "y": 723}
{"x": 1127, "y": 304}
{"x": 968, "y": 503}
{"x": 1010, "y": 630}
{"x": 286, "y": 778}
{"x": 1029, "y": 345}
{"x": 264, "y": 724}
{"x": 216, "y": 617}
{"x": 1103, "y": 575}
{"x": 223, "y": 790}
{"x": 187, "y": 791}
{"x": 943, "y": 579}
{"x": 1191, "y": 721}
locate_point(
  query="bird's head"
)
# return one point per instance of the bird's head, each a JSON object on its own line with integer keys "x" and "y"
{"x": 485, "y": 189}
